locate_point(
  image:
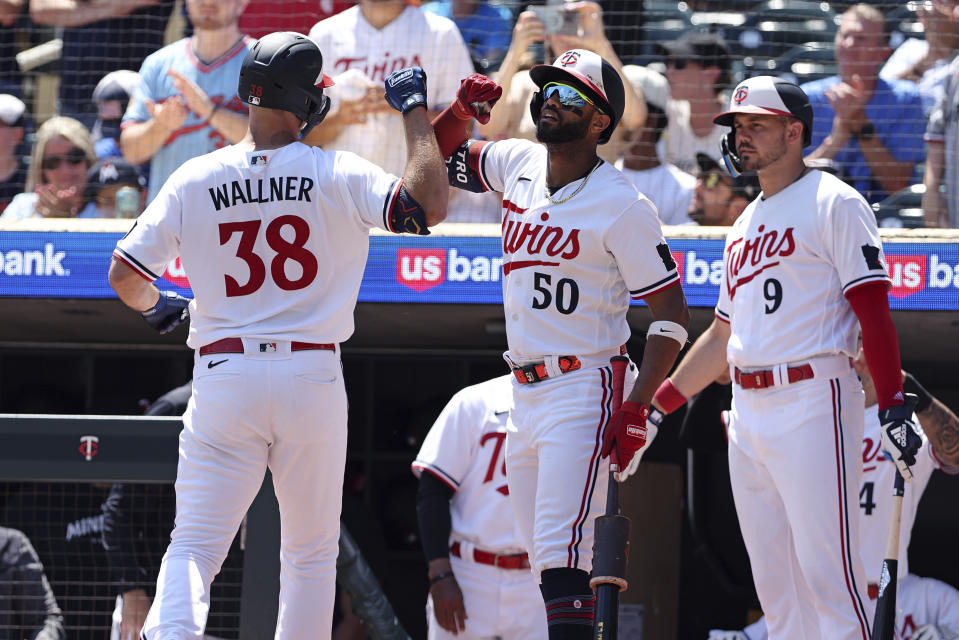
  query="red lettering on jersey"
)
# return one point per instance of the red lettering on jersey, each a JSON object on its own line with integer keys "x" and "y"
{"x": 420, "y": 269}
{"x": 534, "y": 239}
{"x": 908, "y": 275}
{"x": 871, "y": 453}
{"x": 377, "y": 70}
{"x": 908, "y": 626}
{"x": 755, "y": 254}
{"x": 499, "y": 439}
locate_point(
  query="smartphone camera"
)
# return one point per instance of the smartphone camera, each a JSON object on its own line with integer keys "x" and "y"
{"x": 557, "y": 20}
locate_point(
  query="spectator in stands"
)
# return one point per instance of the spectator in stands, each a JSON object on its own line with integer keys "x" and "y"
{"x": 697, "y": 67}
{"x": 99, "y": 37}
{"x": 667, "y": 186}
{"x": 925, "y": 61}
{"x": 117, "y": 188}
{"x": 29, "y": 608}
{"x": 266, "y": 16}
{"x": 186, "y": 104}
{"x": 871, "y": 128}
{"x": 111, "y": 97}
{"x": 719, "y": 198}
{"x": 13, "y": 170}
{"x": 363, "y": 45}
{"x": 57, "y": 178}
{"x": 940, "y": 202}
{"x": 487, "y": 29}
{"x": 511, "y": 117}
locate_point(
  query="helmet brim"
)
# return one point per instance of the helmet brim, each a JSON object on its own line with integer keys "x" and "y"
{"x": 725, "y": 119}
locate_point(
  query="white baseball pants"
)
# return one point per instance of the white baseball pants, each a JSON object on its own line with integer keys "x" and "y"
{"x": 278, "y": 410}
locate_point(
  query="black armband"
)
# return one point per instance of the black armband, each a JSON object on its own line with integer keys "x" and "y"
{"x": 462, "y": 168}
{"x": 433, "y": 514}
{"x": 404, "y": 214}
{"x": 911, "y": 385}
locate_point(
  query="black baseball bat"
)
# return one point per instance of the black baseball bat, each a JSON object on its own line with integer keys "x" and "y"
{"x": 884, "y": 624}
{"x": 611, "y": 537}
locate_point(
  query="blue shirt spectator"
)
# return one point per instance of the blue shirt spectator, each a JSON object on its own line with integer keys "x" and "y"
{"x": 487, "y": 29}
{"x": 896, "y": 114}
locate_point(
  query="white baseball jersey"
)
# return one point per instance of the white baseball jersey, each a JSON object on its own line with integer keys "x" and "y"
{"x": 680, "y": 144}
{"x": 414, "y": 38}
{"x": 789, "y": 260}
{"x": 570, "y": 269}
{"x": 466, "y": 450}
{"x": 277, "y": 240}
{"x": 878, "y": 474}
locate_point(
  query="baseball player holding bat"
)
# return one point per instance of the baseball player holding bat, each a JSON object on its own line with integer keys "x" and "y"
{"x": 481, "y": 586}
{"x": 578, "y": 243}
{"x": 802, "y": 264}
{"x": 273, "y": 235}
{"x": 927, "y": 609}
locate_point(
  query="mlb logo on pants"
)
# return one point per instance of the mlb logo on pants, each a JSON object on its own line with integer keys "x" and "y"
{"x": 267, "y": 347}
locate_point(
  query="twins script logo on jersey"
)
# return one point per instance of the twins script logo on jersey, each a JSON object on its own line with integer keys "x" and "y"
{"x": 746, "y": 258}
{"x": 377, "y": 71}
{"x": 498, "y": 439}
{"x": 534, "y": 239}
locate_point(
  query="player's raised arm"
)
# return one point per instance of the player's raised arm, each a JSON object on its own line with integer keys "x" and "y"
{"x": 474, "y": 99}
{"x": 425, "y": 169}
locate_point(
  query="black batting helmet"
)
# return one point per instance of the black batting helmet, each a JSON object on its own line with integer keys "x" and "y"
{"x": 284, "y": 70}
{"x": 764, "y": 95}
{"x": 588, "y": 72}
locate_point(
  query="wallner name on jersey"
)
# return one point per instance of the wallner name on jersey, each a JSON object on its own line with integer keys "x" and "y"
{"x": 262, "y": 190}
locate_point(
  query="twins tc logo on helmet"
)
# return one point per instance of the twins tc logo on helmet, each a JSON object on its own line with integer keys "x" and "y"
{"x": 740, "y": 95}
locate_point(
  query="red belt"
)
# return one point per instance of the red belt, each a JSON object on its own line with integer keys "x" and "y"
{"x": 873, "y": 589}
{"x": 766, "y": 378}
{"x": 537, "y": 372}
{"x": 235, "y": 345}
{"x": 516, "y": 561}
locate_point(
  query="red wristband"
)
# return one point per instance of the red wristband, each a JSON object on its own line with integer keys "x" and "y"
{"x": 668, "y": 396}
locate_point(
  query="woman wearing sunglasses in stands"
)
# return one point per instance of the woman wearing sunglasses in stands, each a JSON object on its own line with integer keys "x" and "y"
{"x": 57, "y": 179}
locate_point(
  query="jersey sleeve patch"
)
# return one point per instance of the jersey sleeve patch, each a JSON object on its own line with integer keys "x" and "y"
{"x": 871, "y": 254}
{"x": 134, "y": 264}
{"x": 419, "y": 466}
{"x": 663, "y": 250}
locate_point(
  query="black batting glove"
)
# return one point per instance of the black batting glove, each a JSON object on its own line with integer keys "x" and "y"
{"x": 406, "y": 89}
{"x": 900, "y": 435}
{"x": 170, "y": 311}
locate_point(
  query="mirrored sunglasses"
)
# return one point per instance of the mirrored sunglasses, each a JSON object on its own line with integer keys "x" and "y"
{"x": 711, "y": 179}
{"x": 74, "y": 156}
{"x": 569, "y": 97}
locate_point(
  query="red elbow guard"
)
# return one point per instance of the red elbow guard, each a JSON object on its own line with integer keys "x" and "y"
{"x": 450, "y": 131}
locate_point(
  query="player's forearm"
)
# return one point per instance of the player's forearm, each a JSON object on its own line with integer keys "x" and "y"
{"x": 74, "y": 13}
{"x": 140, "y": 141}
{"x": 131, "y": 288}
{"x": 659, "y": 356}
{"x": 942, "y": 428}
{"x": 704, "y": 363}
{"x": 891, "y": 174}
{"x": 327, "y": 131}
{"x": 425, "y": 178}
{"x": 232, "y": 125}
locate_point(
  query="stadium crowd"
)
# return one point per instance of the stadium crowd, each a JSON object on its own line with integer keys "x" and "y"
{"x": 144, "y": 85}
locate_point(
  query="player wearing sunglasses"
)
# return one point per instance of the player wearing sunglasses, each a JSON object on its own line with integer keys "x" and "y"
{"x": 579, "y": 241}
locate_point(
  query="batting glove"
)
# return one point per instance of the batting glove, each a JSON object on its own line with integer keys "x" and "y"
{"x": 406, "y": 89}
{"x": 170, "y": 311}
{"x": 631, "y": 433}
{"x": 932, "y": 632}
{"x": 900, "y": 436}
{"x": 475, "y": 97}
{"x": 719, "y": 634}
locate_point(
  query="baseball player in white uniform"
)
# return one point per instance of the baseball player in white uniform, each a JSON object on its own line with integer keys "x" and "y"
{"x": 482, "y": 587}
{"x": 801, "y": 264}
{"x": 578, "y": 243}
{"x": 273, "y": 235}
{"x": 925, "y": 606}
{"x": 369, "y": 41}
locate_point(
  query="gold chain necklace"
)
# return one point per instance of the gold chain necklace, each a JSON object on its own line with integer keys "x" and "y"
{"x": 578, "y": 189}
